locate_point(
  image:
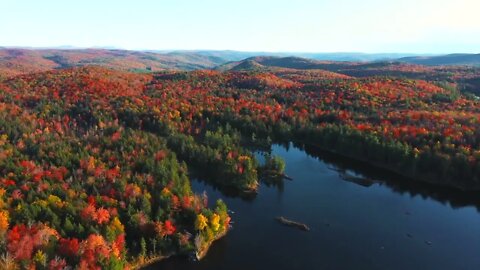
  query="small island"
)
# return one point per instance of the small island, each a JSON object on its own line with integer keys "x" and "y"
{"x": 273, "y": 170}
{"x": 96, "y": 162}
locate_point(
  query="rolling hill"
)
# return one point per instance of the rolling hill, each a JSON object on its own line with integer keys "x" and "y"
{"x": 461, "y": 69}
{"x": 444, "y": 60}
{"x": 300, "y": 63}
{"x": 272, "y": 61}
{"x": 230, "y": 55}
{"x": 465, "y": 77}
{"x": 21, "y": 61}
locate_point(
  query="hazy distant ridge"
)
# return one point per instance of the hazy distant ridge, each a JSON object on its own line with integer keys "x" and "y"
{"x": 25, "y": 60}
{"x": 449, "y": 59}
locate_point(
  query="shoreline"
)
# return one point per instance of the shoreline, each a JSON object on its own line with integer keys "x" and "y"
{"x": 419, "y": 178}
{"x": 199, "y": 254}
{"x": 136, "y": 265}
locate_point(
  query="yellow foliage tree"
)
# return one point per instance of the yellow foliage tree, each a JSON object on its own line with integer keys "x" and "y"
{"x": 201, "y": 222}
{"x": 3, "y": 222}
{"x": 215, "y": 222}
{"x": 116, "y": 225}
{"x": 40, "y": 258}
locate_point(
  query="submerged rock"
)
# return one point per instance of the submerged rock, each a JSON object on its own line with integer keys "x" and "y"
{"x": 292, "y": 223}
{"x": 365, "y": 182}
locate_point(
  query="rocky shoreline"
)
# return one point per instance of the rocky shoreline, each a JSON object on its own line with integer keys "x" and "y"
{"x": 202, "y": 252}
{"x": 198, "y": 255}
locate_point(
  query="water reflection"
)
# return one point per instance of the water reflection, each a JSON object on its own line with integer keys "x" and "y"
{"x": 447, "y": 196}
{"x": 228, "y": 192}
{"x": 374, "y": 220}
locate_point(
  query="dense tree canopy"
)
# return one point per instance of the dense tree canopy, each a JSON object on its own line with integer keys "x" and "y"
{"x": 95, "y": 163}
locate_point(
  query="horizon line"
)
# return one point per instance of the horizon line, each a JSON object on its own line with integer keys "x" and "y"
{"x": 72, "y": 47}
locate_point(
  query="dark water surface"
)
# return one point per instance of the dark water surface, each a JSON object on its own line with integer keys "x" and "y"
{"x": 385, "y": 224}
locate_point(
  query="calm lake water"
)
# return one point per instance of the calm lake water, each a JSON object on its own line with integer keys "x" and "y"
{"x": 384, "y": 222}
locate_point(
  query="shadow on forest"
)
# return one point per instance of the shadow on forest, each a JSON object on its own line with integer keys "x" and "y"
{"x": 372, "y": 175}
{"x": 363, "y": 174}
{"x": 226, "y": 191}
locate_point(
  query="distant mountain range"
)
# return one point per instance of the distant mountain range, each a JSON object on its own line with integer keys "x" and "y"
{"x": 25, "y": 60}
{"x": 421, "y": 59}
{"x": 292, "y": 62}
{"x": 351, "y": 57}
{"x": 17, "y": 61}
{"x": 445, "y": 60}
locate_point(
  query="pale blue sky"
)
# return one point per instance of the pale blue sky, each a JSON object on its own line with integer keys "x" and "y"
{"x": 407, "y": 26}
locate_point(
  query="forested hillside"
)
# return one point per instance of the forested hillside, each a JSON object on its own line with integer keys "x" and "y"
{"x": 94, "y": 159}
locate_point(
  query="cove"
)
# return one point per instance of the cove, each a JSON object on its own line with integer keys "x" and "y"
{"x": 381, "y": 222}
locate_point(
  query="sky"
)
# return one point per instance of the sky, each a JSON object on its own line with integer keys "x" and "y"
{"x": 371, "y": 26}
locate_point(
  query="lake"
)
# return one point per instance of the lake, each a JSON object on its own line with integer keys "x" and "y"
{"x": 360, "y": 218}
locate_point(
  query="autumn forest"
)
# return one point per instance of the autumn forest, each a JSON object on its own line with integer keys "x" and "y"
{"x": 96, "y": 160}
